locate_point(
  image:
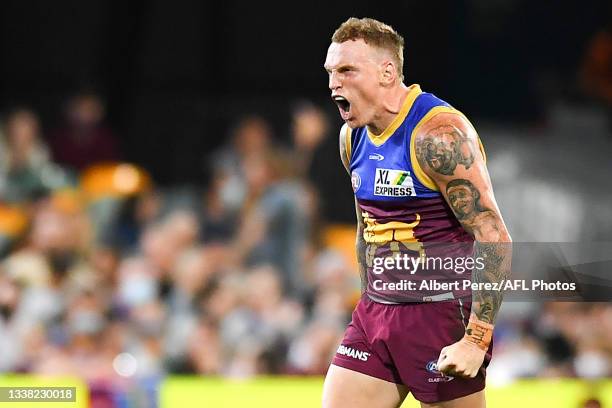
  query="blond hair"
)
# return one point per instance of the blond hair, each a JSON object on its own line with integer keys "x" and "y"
{"x": 375, "y": 33}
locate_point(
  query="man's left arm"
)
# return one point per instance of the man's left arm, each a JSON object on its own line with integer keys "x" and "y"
{"x": 449, "y": 153}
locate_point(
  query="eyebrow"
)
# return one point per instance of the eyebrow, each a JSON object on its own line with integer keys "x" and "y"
{"x": 339, "y": 68}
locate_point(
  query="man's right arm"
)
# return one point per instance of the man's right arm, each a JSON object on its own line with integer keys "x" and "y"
{"x": 360, "y": 244}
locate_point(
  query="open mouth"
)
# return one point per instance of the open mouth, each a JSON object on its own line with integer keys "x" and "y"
{"x": 342, "y": 103}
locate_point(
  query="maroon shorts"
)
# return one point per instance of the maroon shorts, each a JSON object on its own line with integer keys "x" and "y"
{"x": 401, "y": 344}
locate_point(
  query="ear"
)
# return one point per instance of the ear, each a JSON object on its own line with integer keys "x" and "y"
{"x": 388, "y": 72}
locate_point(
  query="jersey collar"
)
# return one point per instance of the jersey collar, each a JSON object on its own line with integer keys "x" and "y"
{"x": 413, "y": 92}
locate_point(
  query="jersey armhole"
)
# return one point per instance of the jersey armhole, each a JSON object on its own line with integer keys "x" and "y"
{"x": 418, "y": 171}
{"x": 348, "y": 142}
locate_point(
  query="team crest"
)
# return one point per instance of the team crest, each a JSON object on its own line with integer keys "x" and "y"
{"x": 355, "y": 181}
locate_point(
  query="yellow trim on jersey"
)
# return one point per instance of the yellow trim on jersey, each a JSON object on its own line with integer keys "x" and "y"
{"x": 414, "y": 91}
{"x": 347, "y": 142}
{"x": 418, "y": 171}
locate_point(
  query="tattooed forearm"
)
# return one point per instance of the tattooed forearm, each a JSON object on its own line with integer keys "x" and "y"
{"x": 448, "y": 153}
{"x": 464, "y": 198}
{"x": 444, "y": 148}
{"x": 496, "y": 259}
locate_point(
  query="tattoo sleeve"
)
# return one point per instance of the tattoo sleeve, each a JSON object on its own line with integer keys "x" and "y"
{"x": 486, "y": 226}
{"x": 448, "y": 152}
{"x": 444, "y": 148}
{"x": 496, "y": 258}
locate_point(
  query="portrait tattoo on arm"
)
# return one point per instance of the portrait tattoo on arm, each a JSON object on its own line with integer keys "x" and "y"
{"x": 444, "y": 148}
{"x": 464, "y": 199}
{"x": 440, "y": 151}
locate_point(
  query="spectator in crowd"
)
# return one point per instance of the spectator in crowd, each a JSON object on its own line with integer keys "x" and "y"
{"x": 26, "y": 171}
{"x": 309, "y": 129}
{"x": 221, "y": 206}
{"x": 84, "y": 138}
{"x": 274, "y": 224}
{"x": 252, "y": 136}
{"x": 315, "y": 159}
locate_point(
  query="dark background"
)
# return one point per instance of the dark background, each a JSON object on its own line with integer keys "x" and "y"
{"x": 176, "y": 74}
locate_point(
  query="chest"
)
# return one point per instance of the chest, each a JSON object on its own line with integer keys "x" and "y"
{"x": 382, "y": 172}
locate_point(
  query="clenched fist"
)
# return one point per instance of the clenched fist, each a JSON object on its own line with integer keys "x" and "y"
{"x": 465, "y": 357}
{"x": 462, "y": 359}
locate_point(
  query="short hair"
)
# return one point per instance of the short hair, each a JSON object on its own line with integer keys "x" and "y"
{"x": 376, "y": 33}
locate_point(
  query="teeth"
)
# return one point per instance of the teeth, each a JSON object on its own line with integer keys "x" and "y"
{"x": 342, "y": 102}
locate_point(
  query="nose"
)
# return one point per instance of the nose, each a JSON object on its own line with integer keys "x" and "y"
{"x": 334, "y": 82}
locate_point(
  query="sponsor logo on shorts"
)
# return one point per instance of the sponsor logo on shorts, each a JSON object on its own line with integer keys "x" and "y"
{"x": 351, "y": 352}
{"x": 393, "y": 183}
{"x": 432, "y": 367}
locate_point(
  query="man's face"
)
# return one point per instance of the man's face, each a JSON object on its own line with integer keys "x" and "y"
{"x": 437, "y": 155}
{"x": 462, "y": 200}
{"x": 354, "y": 70}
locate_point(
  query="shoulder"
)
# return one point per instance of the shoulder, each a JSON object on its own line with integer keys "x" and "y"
{"x": 444, "y": 141}
{"x": 345, "y": 132}
{"x": 345, "y": 145}
{"x": 446, "y": 121}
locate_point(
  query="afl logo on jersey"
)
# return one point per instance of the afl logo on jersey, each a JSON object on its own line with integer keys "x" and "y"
{"x": 355, "y": 181}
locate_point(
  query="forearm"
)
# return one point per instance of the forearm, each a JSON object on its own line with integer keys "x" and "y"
{"x": 449, "y": 151}
{"x": 496, "y": 258}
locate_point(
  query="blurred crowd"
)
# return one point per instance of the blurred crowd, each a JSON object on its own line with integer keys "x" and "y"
{"x": 553, "y": 339}
{"x": 106, "y": 276}
{"x": 110, "y": 278}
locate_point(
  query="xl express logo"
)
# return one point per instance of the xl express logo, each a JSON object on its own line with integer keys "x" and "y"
{"x": 393, "y": 183}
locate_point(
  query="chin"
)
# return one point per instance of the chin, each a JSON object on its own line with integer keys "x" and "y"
{"x": 354, "y": 123}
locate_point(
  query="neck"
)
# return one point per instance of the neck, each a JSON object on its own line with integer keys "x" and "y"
{"x": 392, "y": 101}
